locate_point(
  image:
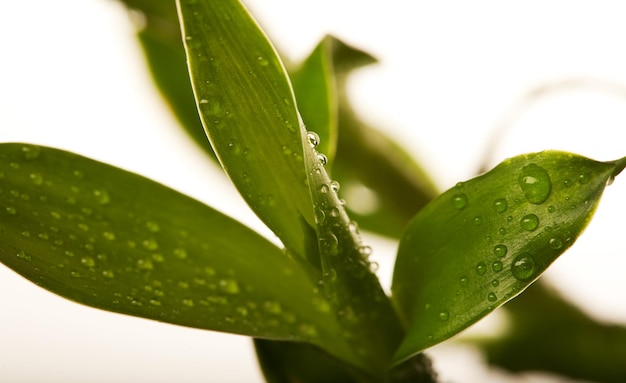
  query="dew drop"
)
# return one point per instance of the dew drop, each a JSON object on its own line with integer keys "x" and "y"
{"x": 583, "y": 178}
{"x": 322, "y": 159}
{"x": 523, "y": 267}
{"x": 272, "y": 307}
{"x": 324, "y": 188}
{"x": 330, "y": 275}
{"x": 109, "y": 236}
{"x": 481, "y": 268}
{"x": 500, "y": 205}
{"x": 102, "y": 197}
{"x": 495, "y": 283}
{"x": 188, "y": 302}
{"x": 529, "y": 222}
{"x": 150, "y": 244}
{"x": 153, "y": 226}
{"x": 478, "y": 221}
{"x": 500, "y": 250}
{"x": 496, "y": 266}
{"x": 145, "y": 264}
{"x": 36, "y": 178}
{"x": 108, "y": 274}
{"x": 87, "y": 262}
{"x": 21, "y": 254}
{"x": 155, "y": 302}
{"x": 11, "y": 210}
{"x": 229, "y": 286}
{"x": 180, "y": 253}
{"x": 30, "y": 152}
{"x": 444, "y": 316}
{"x": 334, "y": 186}
{"x": 551, "y": 209}
{"x": 459, "y": 201}
{"x": 492, "y": 297}
{"x": 555, "y": 243}
{"x": 464, "y": 281}
{"x": 320, "y": 216}
{"x": 365, "y": 251}
{"x": 535, "y": 183}
{"x": 313, "y": 139}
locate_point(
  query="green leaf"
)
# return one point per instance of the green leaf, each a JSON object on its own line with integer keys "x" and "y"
{"x": 316, "y": 93}
{"x": 484, "y": 241}
{"x": 162, "y": 44}
{"x": 292, "y": 362}
{"x": 247, "y": 108}
{"x": 114, "y": 240}
{"x": 369, "y": 323}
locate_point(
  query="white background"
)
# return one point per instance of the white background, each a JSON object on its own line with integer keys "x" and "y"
{"x": 450, "y": 74}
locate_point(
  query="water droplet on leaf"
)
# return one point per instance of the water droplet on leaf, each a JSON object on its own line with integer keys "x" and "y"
{"x": 529, "y": 222}
{"x": 444, "y": 316}
{"x": 313, "y": 138}
{"x": 459, "y": 201}
{"x": 229, "y": 286}
{"x": 523, "y": 267}
{"x": 500, "y": 250}
{"x": 496, "y": 266}
{"x": 481, "y": 268}
{"x": 535, "y": 183}
{"x": 500, "y": 205}
{"x": 322, "y": 159}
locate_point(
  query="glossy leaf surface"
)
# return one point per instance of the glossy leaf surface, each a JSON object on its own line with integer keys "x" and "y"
{"x": 369, "y": 323}
{"x": 484, "y": 241}
{"x": 316, "y": 92}
{"x": 114, "y": 240}
{"x": 248, "y": 111}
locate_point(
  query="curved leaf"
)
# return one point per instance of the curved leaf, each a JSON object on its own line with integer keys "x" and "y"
{"x": 370, "y": 324}
{"x": 316, "y": 92}
{"x": 484, "y": 241}
{"x": 248, "y": 111}
{"x": 114, "y": 240}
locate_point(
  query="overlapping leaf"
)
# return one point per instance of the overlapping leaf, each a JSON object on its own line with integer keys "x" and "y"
{"x": 484, "y": 241}
{"x": 248, "y": 111}
{"x": 114, "y": 240}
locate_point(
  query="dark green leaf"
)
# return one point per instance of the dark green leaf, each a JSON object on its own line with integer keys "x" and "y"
{"x": 291, "y": 362}
{"x": 247, "y": 108}
{"x": 316, "y": 93}
{"x": 363, "y": 310}
{"x": 484, "y": 241}
{"x": 114, "y": 240}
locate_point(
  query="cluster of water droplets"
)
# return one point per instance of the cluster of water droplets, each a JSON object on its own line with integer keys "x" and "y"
{"x": 68, "y": 220}
{"x": 536, "y": 186}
